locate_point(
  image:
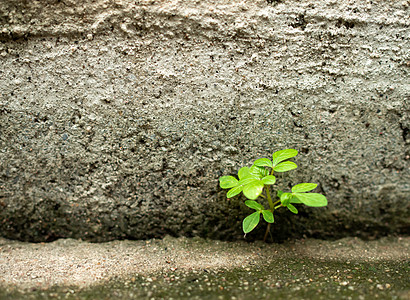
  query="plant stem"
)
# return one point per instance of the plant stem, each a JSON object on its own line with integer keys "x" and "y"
{"x": 271, "y": 205}
{"x": 276, "y": 202}
{"x": 266, "y": 232}
{"x": 272, "y": 208}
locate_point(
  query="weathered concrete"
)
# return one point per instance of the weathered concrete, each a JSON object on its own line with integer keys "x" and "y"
{"x": 118, "y": 117}
{"x": 183, "y": 268}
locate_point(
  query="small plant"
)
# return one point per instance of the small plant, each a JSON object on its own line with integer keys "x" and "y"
{"x": 257, "y": 181}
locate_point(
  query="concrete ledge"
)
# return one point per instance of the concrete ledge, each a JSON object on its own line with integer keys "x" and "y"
{"x": 187, "y": 268}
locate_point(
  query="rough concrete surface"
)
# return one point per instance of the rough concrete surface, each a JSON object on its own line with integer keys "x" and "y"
{"x": 118, "y": 117}
{"x": 204, "y": 269}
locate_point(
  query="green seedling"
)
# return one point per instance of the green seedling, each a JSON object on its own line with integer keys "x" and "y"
{"x": 259, "y": 181}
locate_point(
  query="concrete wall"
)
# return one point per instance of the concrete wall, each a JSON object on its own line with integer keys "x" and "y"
{"x": 118, "y": 117}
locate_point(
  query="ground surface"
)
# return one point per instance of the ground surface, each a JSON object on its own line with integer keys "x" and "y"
{"x": 197, "y": 268}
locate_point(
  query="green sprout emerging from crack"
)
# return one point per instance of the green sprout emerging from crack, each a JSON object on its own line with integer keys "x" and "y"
{"x": 258, "y": 181}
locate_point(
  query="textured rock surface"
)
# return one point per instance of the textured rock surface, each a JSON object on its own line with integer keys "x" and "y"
{"x": 118, "y": 117}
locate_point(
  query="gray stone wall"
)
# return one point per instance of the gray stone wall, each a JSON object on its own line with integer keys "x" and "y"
{"x": 118, "y": 117}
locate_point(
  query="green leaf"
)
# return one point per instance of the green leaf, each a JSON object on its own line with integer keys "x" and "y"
{"x": 263, "y": 162}
{"x": 253, "y": 189}
{"x": 269, "y": 180}
{"x": 282, "y": 155}
{"x": 279, "y": 193}
{"x": 227, "y": 182}
{"x": 234, "y": 191}
{"x": 243, "y": 172}
{"x": 285, "y": 198}
{"x": 251, "y": 221}
{"x": 292, "y": 208}
{"x": 258, "y": 172}
{"x": 295, "y": 200}
{"x": 247, "y": 180}
{"x": 285, "y": 166}
{"x": 304, "y": 187}
{"x": 268, "y": 216}
{"x": 312, "y": 199}
{"x": 254, "y": 205}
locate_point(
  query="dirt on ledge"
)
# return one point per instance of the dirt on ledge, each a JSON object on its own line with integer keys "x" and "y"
{"x": 27, "y": 268}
